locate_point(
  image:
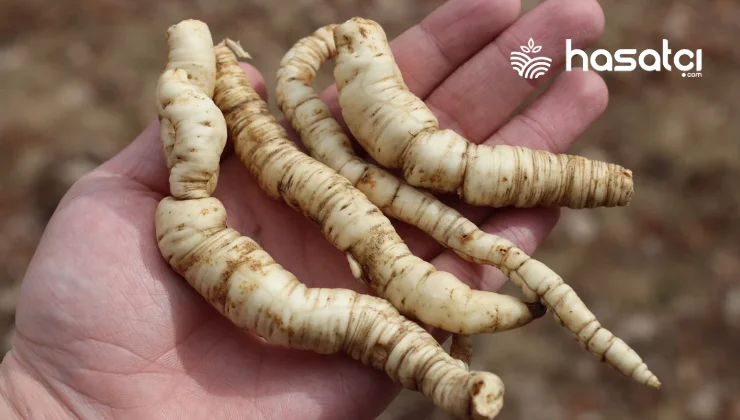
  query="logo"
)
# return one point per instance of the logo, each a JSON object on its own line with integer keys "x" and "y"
{"x": 528, "y": 66}
{"x": 686, "y": 61}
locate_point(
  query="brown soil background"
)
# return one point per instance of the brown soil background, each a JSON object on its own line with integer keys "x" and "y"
{"x": 663, "y": 273}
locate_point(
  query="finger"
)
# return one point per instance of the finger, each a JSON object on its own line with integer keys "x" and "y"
{"x": 255, "y": 79}
{"x": 556, "y": 119}
{"x": 526, "y": 228}
{"x": 481, "y": 95}
{"x": 143, "y": 160}
{"x": 430, "y": 51}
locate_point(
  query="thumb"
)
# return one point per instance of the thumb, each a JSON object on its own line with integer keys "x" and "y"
{"x": 143, "y": 160}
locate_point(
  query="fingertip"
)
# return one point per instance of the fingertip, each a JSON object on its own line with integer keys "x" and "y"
{"x": 587, "y": 89}
{"x": 594, "y": 92}
{"x": 484, "y": 18}
{"x": 503, "y": 13}
{"x": 255, "y": 79}
{"x": 557, "y": 118}
{"x": 588, "y": 15}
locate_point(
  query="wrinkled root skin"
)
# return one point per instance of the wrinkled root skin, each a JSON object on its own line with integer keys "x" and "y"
{"x": 350, "y": 221}
{"x": 186, "y": 85}
{"x": 235, "y": 275}
{"x": 249, "y": 288}
{"x": 397, "y": 129}
{"x": 325, "y": 140}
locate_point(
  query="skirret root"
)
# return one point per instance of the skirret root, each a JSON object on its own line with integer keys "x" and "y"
{"x": 350, "y": 221}
{"x": 238, "y": 278}
{"x": 326, "y": 141}
{"x": 397, "y": 129}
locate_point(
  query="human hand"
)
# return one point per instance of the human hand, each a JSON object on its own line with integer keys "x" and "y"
{"x": 106, "y": 329}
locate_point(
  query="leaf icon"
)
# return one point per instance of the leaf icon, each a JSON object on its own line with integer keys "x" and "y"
{"x": 525, "y": 49}
{"x": 530, "y": 44}
{"x": 537, "y": 49}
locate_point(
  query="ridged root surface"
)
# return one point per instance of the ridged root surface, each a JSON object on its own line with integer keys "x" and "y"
{"x": 351, "y": 222}
{"x": 192, "y": 162}
{"x": 397, "y": 129}
{"x": 325, "y": 140}
{"x": 249, "y": 288}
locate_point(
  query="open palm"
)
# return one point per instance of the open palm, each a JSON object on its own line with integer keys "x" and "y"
{"x": 106, "y": 329}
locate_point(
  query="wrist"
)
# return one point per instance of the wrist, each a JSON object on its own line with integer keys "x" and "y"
{"x": 8, "y": 409}
{"x": 22, "y": 396}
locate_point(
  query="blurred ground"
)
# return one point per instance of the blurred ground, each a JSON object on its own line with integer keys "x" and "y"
{"x": 662, "y": 273}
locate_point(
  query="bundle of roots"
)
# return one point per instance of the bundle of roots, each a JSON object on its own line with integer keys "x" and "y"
{"x": 203, "y": 96}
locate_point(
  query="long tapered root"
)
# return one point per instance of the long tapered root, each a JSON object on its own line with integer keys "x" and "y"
{"x": 350, "y": 221}
{"x": 326, "y": 141}
{"x": 249, "y": 288}
{"x": 571, "y": 312}
{"x": 397, "y": 129}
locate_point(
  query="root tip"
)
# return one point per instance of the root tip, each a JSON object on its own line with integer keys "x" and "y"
{"x": 537, "y": 309}
{"x": 237, "y": 49}
{"x": 487, "y": 396}
{"x": 654, "y": 382}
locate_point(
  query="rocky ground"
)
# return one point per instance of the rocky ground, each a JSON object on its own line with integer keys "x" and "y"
{"x": 663, "y": 273}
